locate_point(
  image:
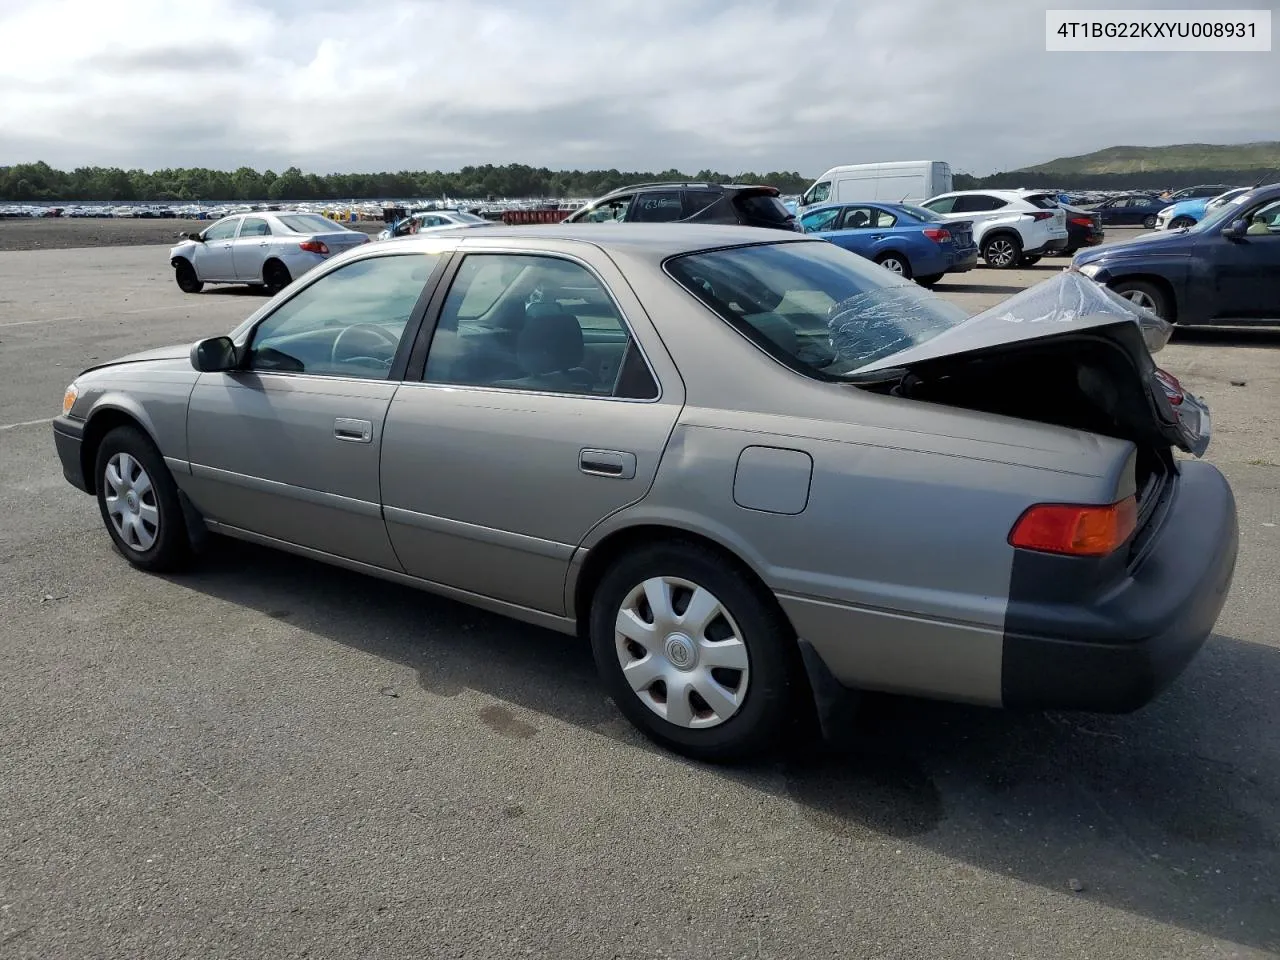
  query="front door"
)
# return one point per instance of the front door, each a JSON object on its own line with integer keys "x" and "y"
{"x": 1247, "y": 269}
{"x": 538, "y": 416}
{"x": 214, "y": 258}
{"x": 288, "y": 446}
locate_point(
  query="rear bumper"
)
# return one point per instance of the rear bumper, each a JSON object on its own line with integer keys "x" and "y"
{"x": 1051, "y": 246}
{"x": 1113, "y": 653}
{"x": 1119, "y": 653}
{"x": 68, "y": 437}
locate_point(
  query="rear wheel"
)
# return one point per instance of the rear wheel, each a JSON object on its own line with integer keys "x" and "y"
{"x": 275, "y": 276}
{"x": 693, "y": 653}
{"x": 1003, "y": 251}
{"x": 929, "y": 280}
{"x": 139, "y": 502}
{"x": 185, "y": 274}
{"x": 895, "y": 263}
{"x": 1143, "y": 294}
{"x": 1149, "y": 221}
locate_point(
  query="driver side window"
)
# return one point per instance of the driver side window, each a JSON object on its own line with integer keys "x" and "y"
{"x": 349, "y": 323}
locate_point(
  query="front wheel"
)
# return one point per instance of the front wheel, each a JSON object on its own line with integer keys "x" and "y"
{"x": 185, "y": 274}
{"x": 1180, "y": 222}
{"x": 1147, "y": 295}
{"x": 139, "y": 501}
{"x": 694, "y": 654}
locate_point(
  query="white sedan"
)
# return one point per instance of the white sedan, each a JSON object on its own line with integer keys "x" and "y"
{"x": 269, "y": 250}
{"x": 432, "y": 219}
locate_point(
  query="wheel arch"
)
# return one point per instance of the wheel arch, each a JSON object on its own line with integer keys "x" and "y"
{"x": 1157, "y": 281}
{"x": 586, "y": 573}
{"x": 108, "y": 414}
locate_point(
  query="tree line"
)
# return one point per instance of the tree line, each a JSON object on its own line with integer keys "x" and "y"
{"x": 39, "y": 182}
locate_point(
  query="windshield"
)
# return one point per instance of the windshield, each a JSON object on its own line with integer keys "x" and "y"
{"x": 821, "y": 310}
{"x": 308, "y": 223}
{"x": 464, "y": 217}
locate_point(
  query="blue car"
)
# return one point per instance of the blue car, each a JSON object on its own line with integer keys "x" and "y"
{"x": 1225, "y": 269}
{"x": 1185, "y": 213}
{"x": 909, "y": 240}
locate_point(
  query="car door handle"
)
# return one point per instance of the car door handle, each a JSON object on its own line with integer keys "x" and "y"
{"x": 356, "y": 431}
{"x": 608, "y": 463}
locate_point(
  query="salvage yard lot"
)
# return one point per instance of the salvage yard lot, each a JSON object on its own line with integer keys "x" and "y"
{"x": 267, "y": 757}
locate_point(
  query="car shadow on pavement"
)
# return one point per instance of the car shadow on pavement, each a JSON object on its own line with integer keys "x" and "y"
{"x": 1227, "y": 336}
{"x": 1004, "y": 291}
{"x": 1171, "y": 813}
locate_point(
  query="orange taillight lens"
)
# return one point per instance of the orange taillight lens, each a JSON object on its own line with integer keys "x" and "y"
{"x": 1079, "y": 530}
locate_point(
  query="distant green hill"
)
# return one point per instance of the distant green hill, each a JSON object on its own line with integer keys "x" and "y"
{"x": 1263, "y": 155}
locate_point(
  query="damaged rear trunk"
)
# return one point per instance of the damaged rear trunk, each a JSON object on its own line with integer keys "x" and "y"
{"x": 1067, "y": 352}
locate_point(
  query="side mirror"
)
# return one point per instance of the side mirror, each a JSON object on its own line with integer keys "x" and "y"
{"x": 1235, "y": 229}
{"x": 214, "y": 355}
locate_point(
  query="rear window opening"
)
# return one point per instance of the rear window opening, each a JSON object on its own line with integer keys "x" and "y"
{"x": 764, "y": 206}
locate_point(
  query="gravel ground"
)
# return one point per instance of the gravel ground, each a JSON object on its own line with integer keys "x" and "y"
{"x": 62, "y": 233}
{"x": 271, "y": 758}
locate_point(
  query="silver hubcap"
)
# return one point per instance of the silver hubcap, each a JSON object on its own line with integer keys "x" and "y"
{"x": 131, "y": 502}
{"x": 1140, "y": 299}
{"x": 682, "y": 653}
{"x": 892, "y": 265}
{"x": 1000, "y": 252}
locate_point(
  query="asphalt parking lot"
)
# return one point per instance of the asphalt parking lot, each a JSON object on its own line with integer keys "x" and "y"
{"x": 270, "y": 758}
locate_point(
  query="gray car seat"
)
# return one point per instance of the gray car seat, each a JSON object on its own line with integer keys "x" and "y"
{"x": 550, "y": 350}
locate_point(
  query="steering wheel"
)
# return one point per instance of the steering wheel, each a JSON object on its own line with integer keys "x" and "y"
{"x": 382, "y": 336}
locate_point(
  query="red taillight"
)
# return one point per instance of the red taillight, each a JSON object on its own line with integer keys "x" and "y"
{"x": 1172, "y": 388}
{"x": 313, "y": 246}
{"x": 1041, "y": 215}
{"x": 937, "y": 234}
{"x": 1077, "y": 530}
{"x": 1082, "y": 221}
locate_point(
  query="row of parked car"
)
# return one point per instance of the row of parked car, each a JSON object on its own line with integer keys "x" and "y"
{"x": 1225, "y": 265}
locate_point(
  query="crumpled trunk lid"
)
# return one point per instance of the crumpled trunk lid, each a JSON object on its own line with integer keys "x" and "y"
{"x": 1068, "y": 326}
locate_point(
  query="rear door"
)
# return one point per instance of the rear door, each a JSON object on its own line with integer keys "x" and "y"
{"x": 544, "y": 407}
{"x": 251, "y": 248}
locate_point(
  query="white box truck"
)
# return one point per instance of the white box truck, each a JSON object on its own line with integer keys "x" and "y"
{"x": 906, "y": 181}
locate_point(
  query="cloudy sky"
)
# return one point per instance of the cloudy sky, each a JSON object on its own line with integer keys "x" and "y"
{"x": 344, "y": 85}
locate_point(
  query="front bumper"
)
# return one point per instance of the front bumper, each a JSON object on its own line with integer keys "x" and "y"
{"x": 1118, "y": 653}
{"x": 68, "y": 438}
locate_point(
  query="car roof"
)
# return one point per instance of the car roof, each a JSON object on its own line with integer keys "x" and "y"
{"x": 659, "y": 240}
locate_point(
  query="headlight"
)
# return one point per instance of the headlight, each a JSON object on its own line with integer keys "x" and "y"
{"x": 1089, "y": 269}
{"x": 69, "y": 397}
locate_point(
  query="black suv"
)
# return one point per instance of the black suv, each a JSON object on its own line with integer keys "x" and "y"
{"x": 750, "y": 206}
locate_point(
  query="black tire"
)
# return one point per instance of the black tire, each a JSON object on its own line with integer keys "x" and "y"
{"x": 1068, "y": 252}
{"x": 1002, "y": 251}
{"x": 171, "y": 548}
{"x": 774, "y": 674}
{"x": 275, "y": 276}
{"x": 903, "y": 264}
{"x": 1159, "y": 300}
{"x": 1179, "y": 222}
{"x": 185, "y": 274}
{"x": 1029, "y": 261}
{"x": 1149, "y": 222}
{"x": 929, "y": 280}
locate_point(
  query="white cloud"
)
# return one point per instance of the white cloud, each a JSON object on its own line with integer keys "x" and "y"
{"x": 646, "y": 84}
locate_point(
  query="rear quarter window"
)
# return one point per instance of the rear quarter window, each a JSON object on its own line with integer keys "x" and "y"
{"x": 763, "y": 206}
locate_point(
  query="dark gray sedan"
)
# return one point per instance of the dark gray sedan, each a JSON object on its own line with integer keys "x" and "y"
{"x": 756, "y": 470}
